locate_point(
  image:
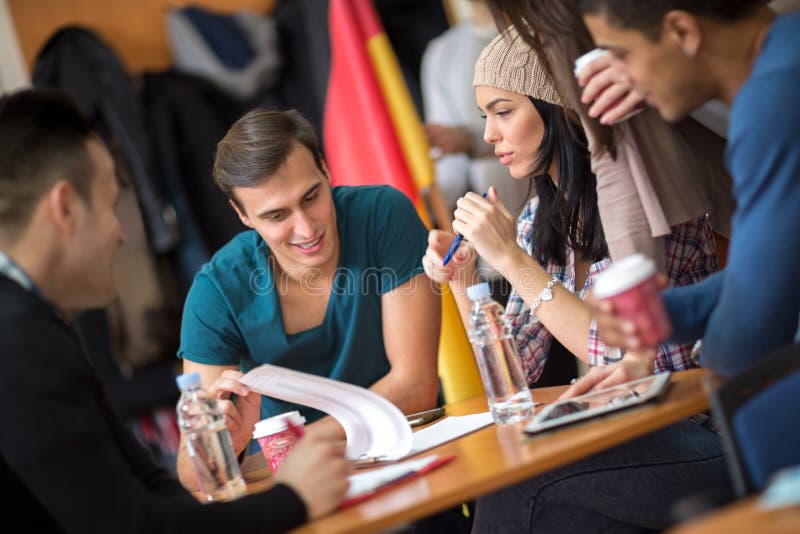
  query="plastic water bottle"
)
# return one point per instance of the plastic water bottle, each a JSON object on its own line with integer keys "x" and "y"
{"x": 496, "y": 354}
{"x": 208, "y": 442}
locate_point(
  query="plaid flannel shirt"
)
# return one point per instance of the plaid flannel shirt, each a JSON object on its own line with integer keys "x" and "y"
{"x": 690, "y": 257}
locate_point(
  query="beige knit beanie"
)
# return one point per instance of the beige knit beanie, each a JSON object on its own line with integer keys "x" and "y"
{"x": 508, "y": 63}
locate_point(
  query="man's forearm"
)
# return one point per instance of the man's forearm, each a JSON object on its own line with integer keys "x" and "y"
{"x": 411, "y": 394}
{"x": 689, "y": 307}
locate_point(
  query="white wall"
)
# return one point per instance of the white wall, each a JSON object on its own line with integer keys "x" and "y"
{"x": 13, "y": 72}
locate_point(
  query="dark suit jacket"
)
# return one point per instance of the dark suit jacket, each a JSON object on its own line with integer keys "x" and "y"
{"x": 70, "y": 463}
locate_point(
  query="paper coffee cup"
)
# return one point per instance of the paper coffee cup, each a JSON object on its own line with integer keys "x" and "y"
{"x": 630, "y": 284}
{"x": 587, "y": 58}
{"x": 276, "y": 438}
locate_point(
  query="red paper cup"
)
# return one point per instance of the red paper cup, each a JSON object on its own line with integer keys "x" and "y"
{"x": 276, "y": 438}
{"x": 630, "y": 285}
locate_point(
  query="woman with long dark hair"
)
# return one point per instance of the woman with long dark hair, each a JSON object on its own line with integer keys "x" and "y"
{"x": 652, "y": 176}
{"x": 559, "y": 247}
{"x": 551, "y": 262}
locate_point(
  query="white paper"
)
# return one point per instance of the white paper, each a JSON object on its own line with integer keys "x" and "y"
{"x": 371, "y": 480}
{"x": 374, "y": 426}
{"x": 448, "y": 429}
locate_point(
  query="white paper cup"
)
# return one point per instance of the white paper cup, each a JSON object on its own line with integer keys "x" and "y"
{"x": 587, "y": 58}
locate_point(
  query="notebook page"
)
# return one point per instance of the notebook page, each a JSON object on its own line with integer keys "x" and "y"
{"x": 374, "y": 426}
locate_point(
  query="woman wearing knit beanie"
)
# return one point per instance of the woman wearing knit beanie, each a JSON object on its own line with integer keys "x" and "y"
{"x": 559, "y": 247}
{"x": 551, "y": 262}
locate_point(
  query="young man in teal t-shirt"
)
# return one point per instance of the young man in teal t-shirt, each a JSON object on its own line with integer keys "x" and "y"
{"x": 327, "y": 281}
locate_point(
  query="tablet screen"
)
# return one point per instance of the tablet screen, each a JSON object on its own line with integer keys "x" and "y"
{"x": 569, "y": 407}
{"x": 599, "y": 402}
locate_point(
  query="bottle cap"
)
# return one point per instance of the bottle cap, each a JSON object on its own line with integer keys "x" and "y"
{"x": 269, "y": 426}
{"x": 624, "y": 274}
{"x": 478, "y": 291}
{"x": 188, "y": 381}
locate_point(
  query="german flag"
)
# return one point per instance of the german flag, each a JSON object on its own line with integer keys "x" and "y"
{"x": 371, "y": 131}
{"x": 373, "y": 135}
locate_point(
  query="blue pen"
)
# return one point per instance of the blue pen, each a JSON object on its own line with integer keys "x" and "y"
{"x": 454, "y": 246}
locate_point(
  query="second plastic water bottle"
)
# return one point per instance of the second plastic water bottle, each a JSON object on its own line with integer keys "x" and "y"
{"x": 489, "y": 332}
{"x": 208, "y": 442}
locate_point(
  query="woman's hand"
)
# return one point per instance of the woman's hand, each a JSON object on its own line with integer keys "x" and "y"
{"x": 609, "y": 89}
{"x": 631, "y": 367}
{"x": 241, "y": 415}
{"x": 461, "y": 266}
{"x": 488, "y": 226}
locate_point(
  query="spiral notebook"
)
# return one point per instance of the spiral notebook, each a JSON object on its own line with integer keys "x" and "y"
{"x": 377, "y": 431}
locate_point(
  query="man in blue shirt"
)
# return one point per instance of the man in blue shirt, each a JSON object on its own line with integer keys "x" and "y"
{"x": 680, "y": 55}
{"x": 327, "y": 281}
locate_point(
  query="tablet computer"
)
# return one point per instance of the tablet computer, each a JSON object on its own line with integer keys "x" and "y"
{"x": 599, "y": 402}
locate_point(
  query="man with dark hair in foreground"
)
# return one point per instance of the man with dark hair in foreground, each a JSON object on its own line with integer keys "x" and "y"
{"x": 72, "y": 465}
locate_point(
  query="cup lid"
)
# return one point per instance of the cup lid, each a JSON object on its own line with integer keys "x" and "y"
{"x": 271, "y": 425}
{"x": 587, "y": 58}
{"x": 623, "y": 275}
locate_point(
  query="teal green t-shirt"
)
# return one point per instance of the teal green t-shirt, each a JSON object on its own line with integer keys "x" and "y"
{"x": 232, "y": 314}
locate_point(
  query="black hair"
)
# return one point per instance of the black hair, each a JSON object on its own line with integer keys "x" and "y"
{"x": 43, "y": 139}
{"x": 646, "y": 15}
{"x": 567, "y": 212}
{"x": 555, "y": 30}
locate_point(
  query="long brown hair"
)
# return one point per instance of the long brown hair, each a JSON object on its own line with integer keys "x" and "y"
{"x": 556, "y": 32}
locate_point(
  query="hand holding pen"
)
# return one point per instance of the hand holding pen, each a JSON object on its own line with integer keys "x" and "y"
{"x": 445, "y": 247}
{"x": 456, "y": 242}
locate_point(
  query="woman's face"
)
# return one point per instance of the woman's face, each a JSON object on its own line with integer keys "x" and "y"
{"x": 513, "y": 126}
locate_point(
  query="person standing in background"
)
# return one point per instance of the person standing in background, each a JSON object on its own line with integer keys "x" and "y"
{"x": 464, "y": 161}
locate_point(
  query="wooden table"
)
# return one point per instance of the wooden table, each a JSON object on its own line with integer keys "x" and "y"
{"x": 498, "y": 456}
{"x": 745, "y": 517}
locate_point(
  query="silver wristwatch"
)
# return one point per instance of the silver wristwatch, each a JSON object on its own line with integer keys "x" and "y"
{"x": 545, "y": 294}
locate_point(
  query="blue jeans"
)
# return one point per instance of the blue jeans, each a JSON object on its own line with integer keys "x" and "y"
{"x": 629, "y": 488}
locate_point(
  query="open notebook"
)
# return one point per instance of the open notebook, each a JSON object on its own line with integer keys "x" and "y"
{"x": 377, "y": 431}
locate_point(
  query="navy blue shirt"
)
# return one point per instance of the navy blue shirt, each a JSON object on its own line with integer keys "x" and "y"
{"x": 752, "y": 306}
